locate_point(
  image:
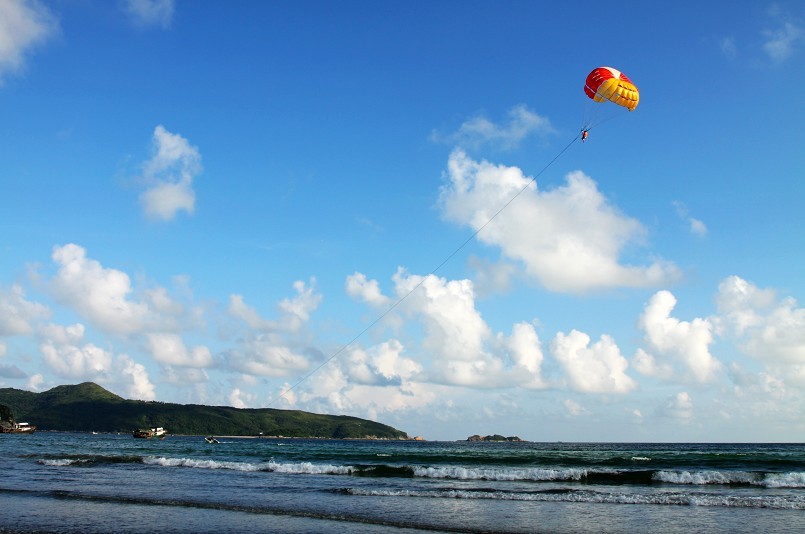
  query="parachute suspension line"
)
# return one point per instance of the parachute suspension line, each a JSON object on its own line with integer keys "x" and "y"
{"x": 597, "y": 113}
{"x": 606, "y": 117}
{"x": 424, "y": 278}
{"x": 589, "y": 112}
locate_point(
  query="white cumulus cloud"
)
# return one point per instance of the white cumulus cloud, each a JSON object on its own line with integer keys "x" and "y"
{"x": 525, "y": 352}
{"x": 481, "y": 131}
{"x": 23, "y": 25}
{"x": 239, "y": 309}
{"x": 453, "y": 326}
{"x": 264, "y": 355}
{"x": 169, "y": 349}
{"x": 17, "y": 313}
{"x": 242, "y": 399}
{"x": 569, "y": 238}
{"x": 359, "y": 288}
{"x": 381, "y": 364}
{"x": 99, "y": 294}
{"x": 67, "y": 357}
{"x": 333, "y": 390}
{"x": 458, "y": 347}
{"x": 769, "y": 329}
{"x": 294, "y": 311}
{"x": 680, "y": 406}
{"x": 684, "y": 345}
{"x": 169, "y": 175}
{"x": 297, "y": 310}
{"x": 646, "y": 364}
{"x": 35, "y": 382}
{"x": 456, "y": 336}
{"x": 596, "y": 368}
{"x": 274, "y": 347}
{"x": 135, "y": 375}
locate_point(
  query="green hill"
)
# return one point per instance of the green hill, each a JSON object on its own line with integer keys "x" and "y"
{"x": 89, "y": 407}
{"x": 6, "y": 415}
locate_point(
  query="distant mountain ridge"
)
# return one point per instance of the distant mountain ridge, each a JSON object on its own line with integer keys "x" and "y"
{"x": 89, "y": 407}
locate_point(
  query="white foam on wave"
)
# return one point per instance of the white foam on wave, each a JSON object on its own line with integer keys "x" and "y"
{"x": 60, "y": 462}
{"x": 463, "y": 473}
{"x": 785, "y": 480}
{"x": 704, "y": 477}
{"x": 313, "y": 469}
{"x": 206, "y": 464}
{"x": 769, "y": 480}
{"x": 276, "y": 467}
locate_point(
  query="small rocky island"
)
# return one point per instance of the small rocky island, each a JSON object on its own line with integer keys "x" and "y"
{"x": 493, "y": 437}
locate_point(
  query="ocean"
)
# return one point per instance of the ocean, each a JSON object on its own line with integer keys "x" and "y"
{"x": 78, "y": 482}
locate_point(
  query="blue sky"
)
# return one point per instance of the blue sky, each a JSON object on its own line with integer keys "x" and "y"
{"x": 288, "y": 204}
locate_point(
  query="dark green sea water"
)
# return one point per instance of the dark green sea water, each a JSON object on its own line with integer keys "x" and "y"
{"x": 70, "y": 482}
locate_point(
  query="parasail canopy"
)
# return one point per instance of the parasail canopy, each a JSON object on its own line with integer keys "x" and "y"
{"x": 607, "y": 84}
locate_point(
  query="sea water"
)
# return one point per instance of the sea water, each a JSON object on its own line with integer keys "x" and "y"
{"x": 72, "y": 482}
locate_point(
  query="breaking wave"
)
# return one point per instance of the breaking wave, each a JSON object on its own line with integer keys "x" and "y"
{"x": 87, "y": 460}
{"x": 791, "y": 479}
{"x": 703, "y": 478}
{"x": 59, "y": 462}
{"x": 463, "y": 473}
{"x": 271, "y": 466}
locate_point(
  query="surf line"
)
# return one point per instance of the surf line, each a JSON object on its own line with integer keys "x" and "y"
{"x": 424, "y": 278}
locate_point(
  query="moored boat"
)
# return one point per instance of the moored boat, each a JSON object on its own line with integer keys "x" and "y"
{"x": 150, "y": 433}
{"x": 17, "y": 428}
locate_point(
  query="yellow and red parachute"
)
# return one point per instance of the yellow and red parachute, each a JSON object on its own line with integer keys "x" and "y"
{"x": 607, "y": 84}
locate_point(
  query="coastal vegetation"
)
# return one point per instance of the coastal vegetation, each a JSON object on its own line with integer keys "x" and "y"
{"x": 6, "y": 415}
{"x": 88, "y": 407}
{"x": 6, "y": 418}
